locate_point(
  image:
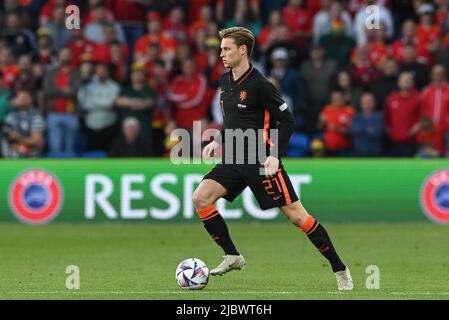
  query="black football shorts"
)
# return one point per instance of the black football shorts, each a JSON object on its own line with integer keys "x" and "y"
{"x": 276, "y": 191}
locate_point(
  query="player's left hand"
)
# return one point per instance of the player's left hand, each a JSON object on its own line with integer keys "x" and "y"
{"x": 271, "y": 166}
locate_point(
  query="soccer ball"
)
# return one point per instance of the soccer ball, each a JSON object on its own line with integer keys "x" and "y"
{"x": 192, "y": 274}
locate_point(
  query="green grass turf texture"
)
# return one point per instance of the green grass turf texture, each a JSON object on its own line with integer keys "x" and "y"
{"x": 137, "y": 261}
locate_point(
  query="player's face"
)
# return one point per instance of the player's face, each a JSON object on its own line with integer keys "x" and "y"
{"x": 230, "y": 53}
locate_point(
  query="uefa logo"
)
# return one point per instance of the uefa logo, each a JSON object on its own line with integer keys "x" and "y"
{"x": 435, "y": 197}
{"x": 35, "y": 197}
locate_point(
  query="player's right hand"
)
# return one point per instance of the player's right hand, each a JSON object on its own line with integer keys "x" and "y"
{"x": 208, "y": 151}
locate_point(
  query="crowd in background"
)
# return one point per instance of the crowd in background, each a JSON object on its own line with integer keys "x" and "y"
{"x": 138, "y": 69}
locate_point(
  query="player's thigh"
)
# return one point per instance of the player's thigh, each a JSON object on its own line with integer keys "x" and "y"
{"x": 208, "y": 192}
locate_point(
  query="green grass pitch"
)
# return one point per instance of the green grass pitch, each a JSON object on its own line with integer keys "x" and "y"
{"x": 137, "y": 261}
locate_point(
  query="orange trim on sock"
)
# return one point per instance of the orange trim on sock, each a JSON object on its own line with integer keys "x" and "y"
{"x": 308, "y": 224}
{"x": 210, "y": 217}
{"x": 203, "y": 213}
{"x": 311, "y": 231}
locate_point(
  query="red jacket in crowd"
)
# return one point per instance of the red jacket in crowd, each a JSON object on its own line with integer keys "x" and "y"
{"x": 337, "y": 118}
{"x": 401, "y": 114}
{"x": 187, "y": 96}
{"x": 435, "y": 104}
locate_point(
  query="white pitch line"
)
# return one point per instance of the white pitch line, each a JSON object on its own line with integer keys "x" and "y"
{"x": 186, "y": 292}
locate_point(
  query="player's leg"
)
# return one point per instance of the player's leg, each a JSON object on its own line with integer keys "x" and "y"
{"x": 318, "y": 235}
{"x": 204, "y": 198}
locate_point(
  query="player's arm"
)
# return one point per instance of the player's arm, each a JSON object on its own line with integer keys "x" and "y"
{"x": 278, "y": 109}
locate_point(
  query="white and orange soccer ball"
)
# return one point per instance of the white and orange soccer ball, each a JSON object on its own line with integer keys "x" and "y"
{"x": 192, "y": 274}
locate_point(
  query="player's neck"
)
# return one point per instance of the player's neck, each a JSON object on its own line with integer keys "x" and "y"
{"x": 239, "y": 70}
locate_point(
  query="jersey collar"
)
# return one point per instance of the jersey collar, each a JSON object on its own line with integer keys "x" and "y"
{"x": 242, "y": 77}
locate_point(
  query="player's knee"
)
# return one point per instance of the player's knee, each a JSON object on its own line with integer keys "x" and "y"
{"x": 200, "y": 200}
{"x": 297, "y": 220}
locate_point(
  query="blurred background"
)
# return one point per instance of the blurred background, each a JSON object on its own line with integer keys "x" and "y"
{"x": 138, "y": 69}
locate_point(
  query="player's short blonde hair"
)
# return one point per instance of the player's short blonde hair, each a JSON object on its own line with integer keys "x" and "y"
{"x": 241, "y": 36}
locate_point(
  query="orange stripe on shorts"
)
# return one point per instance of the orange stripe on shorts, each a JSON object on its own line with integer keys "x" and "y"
{"x": 284, "y": 188}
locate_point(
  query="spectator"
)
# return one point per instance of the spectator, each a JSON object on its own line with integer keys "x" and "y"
{"x": 435, "y": 101}
{"x": 428, "y": 32}
{"x": 441, "y": 14}
{"x": 90, "y": 14}
{"x": 244, "y": 16}
{"x": 290, "y": 82}
{"x": 215, "y": 68}
{"x": 298, "y": 21}
{"x": 332, "y": 11}
{"x": 118, "y": 60}
{"x": 401, "y": 117}
{"x": 94, "y": 30}
{"x": 337, "y": 45}
{"x": 362, "y": 69}
{"x": 409, "y": 38}
{"x": 137, "y": 100}
{"x": 319, "y": 75}
{"x": 200, "y": 53}
{"x": 183, "y": 52}
{"x": 97, "y": 99}
{"x": 375, "y": 41}
{"x": 131, "y": 142}
{"x": 61, "y": 85}
{"x": 387, "y": 84}
{"x": 102, "y": 51}
{"x": 79, "y": 46}
{"x": 269, "y": 33}
{"x": 174, "y": 27}
{"x": 334, "y": 120}
{"x": 26, "y": 79}
{"x": 205, "y": 17}
{"x": 187, "y": 93}
{"x": 366, "y": 129}
{"x": 8, "y": 67}
{"x": 442, "y": 53}
{"x": 158, "y": 79}
{"x": 355, "y": 5}
{"x": 296, "y": 53}
{"x": 429, "y": 140}
{"x": 46, "y": 55}
{"x": 154, "y": 36}
{"x": 361, "y": 18}
{"x": 351, "y": 92}
{"x": 226, "y": 10}
{"x": 46, "y": 11}
{"x": 86, "y": 68}
{"x": 19, "y": 39}
{"x": 23, "y": 129}
{"x": 5, "y": 106}
{"x": 60, "y": 34}
{"x": 419, "y": 70}
{"x": 130, "y": 14}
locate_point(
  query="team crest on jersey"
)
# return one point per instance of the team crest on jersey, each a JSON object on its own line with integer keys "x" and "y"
{"x": 243, "y": 95}
{"x": 35, "y": 197}
{"x": 435, "y": 197}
